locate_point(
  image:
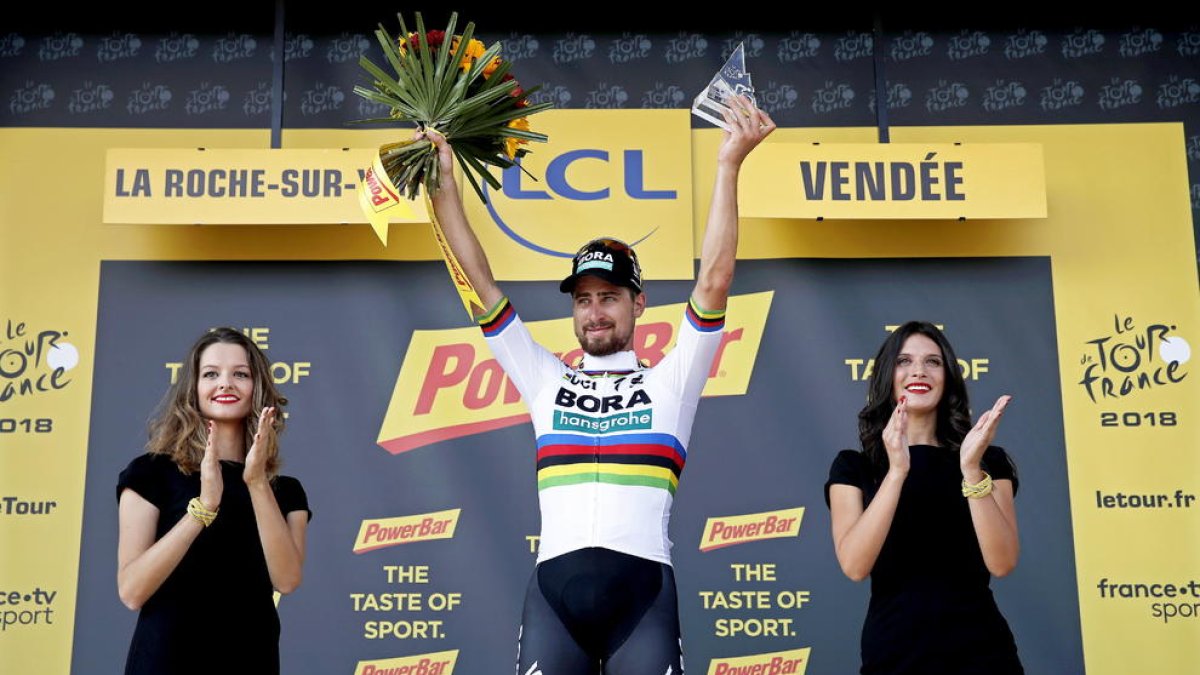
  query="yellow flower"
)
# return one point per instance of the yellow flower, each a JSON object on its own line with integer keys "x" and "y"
{"x": 512, "y": 144}
{"x": 474, "y": 50}
{"x": 402, "y": 42}
{"x": 491, "y": 66}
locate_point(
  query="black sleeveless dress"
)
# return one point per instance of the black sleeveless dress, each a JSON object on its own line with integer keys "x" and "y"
{"x": 931, "y": 608}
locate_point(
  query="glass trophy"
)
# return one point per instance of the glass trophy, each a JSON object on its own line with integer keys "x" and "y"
{"x": 731, "y": 80}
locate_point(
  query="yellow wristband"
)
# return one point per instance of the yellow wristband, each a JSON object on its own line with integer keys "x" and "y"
{"x": 197, "y": 510}
{"x": 979, "y": 490}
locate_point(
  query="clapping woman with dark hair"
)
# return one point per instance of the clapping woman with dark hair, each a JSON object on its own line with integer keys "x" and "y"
{"x": 208, "y": 529}
{"x": 926, "y": 510}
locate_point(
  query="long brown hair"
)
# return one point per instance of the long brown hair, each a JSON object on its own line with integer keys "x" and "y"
{"x": 954, "y": 409}
{"x": 177, "y": 428}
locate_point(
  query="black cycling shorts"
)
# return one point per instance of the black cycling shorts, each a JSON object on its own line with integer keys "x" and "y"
{"x": 596, "y": 611}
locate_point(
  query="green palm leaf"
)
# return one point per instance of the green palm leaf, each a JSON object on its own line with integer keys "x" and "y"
{"x": 430, "y": 87}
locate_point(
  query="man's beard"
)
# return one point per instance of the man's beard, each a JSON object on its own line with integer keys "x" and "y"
{"x": 597, "y": 346}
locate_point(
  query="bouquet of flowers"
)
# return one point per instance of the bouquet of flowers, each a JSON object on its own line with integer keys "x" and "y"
{"x": 451, "y": 84}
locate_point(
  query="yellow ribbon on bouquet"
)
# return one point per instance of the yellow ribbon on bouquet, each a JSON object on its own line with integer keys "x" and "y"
{"x": 379, "y": 198}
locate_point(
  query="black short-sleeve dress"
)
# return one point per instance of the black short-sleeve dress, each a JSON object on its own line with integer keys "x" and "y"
{"x": 931, "y": 608}
{"x": 215, "y": 613}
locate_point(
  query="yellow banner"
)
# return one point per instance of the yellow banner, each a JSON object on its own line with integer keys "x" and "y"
{"x": 199, "y": 186}
{"x": 896, "y": 180}
{"x": 450, "y": 386}
{"x": 1130, "y": 397}
{"x": 627, "y": 176}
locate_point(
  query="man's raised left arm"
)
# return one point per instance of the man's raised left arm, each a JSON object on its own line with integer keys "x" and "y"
{"x": 749, "y": 126}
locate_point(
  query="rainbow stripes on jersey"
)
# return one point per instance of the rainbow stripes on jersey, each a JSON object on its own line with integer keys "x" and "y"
{"x": 650, "y": 460}
{"x": 497, "y": 318}
{"x": 702, "y": 320}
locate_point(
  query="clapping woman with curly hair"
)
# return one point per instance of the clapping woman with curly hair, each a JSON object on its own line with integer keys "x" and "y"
{"x": 208, "y": 527}
{"x": 926, "y": 509}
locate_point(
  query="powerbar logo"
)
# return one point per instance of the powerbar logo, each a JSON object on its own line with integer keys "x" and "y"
{"x": 776, "y": 663}
{"x": 439, "y": 663}
{"x": 450, "y": 386}
{"x": 381, "y": 197}
{"x": 730, "y": 530}
{"x": 627, "y": 421}
{"x": 384, "y": 532}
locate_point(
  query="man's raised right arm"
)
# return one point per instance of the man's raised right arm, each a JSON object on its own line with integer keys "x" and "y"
{"x": 529, "y": 365}
{"x": 448, "y": 206}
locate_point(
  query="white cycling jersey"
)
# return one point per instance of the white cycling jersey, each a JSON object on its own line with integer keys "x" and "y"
{"x": 612, "y": 435}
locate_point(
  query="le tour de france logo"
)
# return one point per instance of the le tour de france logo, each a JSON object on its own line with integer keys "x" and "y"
{"x": 1131, "y": 357}
{"x": 33, "y": 361}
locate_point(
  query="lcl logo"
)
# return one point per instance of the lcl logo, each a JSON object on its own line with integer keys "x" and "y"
{"x": 558, "y": 185}
{"x": 633, "y": 164}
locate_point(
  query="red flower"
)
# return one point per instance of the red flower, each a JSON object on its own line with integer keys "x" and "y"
{"x": 435, "y": 38}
